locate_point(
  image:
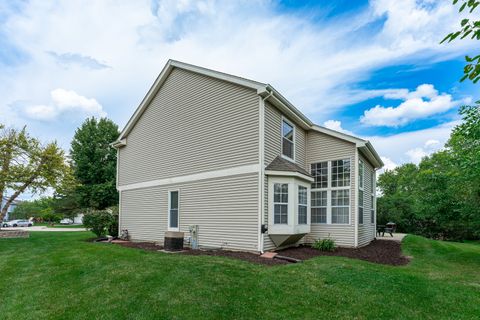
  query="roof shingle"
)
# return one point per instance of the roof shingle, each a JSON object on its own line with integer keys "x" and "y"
{"x": 281, "y": 164}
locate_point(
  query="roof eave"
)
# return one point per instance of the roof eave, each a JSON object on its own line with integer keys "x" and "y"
{"x": 286, "y": 106}
{"x": 371, "y": 154}
{"x": 284, "y": 173}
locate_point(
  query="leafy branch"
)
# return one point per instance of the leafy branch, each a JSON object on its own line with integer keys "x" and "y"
{"x": 469, "y": 28}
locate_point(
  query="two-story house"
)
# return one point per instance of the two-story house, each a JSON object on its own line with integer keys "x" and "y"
{"x": 237, "y": 159}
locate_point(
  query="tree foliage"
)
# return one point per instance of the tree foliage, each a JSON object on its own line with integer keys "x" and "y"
{"x": 469, "y": 28}
{"x": 28, "y": 165}
{"x": 94, "y": 163}
{"x": 102, "y": 222}
{"x": 439, "y": 198}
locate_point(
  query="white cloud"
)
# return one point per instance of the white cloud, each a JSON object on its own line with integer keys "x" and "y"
{"x": 254, "y": 39}
{"x": 418, "y": 104}
{"x": 388, "y": 164}
{"x": 413, "y": 145}
{"x": 416, "y": 154}
{"x": 65, "y": 101}
{"x": 337, "y": 126}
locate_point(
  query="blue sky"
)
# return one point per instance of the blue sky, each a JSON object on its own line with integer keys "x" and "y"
{"x": 371, "y": 68}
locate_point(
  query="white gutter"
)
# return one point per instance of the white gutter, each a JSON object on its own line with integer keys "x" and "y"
{"x": 261, "y": 173}
{"x": 355, "y": 210}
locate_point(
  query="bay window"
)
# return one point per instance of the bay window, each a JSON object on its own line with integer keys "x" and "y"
{"x": 302, "y": 205}
{"x": 280, "y": 203}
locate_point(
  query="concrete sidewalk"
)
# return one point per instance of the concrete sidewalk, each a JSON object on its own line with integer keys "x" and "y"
{"x": 396, "y": 237}
{"x": 44, "y": 228}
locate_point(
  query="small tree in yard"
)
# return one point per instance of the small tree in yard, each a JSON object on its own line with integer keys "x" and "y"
{"x": 27, "y": 165}
{"x": 102, "y": 222}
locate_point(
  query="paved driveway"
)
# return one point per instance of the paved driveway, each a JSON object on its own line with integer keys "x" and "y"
{"x": 44, "y": 228}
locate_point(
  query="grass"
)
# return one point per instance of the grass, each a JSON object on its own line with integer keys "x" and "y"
{"x": 58, "y": 225}
{"x": 61, "y": 276}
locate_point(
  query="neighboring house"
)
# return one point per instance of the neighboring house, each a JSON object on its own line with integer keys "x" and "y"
{"x": 12, "y": 207}
{"x": 235, "y": 158}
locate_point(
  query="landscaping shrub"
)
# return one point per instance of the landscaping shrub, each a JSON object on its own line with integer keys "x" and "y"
{"x": 101, "y": 222}
{"x": 324, "y": 244}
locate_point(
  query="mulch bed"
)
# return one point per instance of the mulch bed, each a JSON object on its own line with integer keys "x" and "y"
{"x": 379, "y": 251}
{"x": 245, "y": 256}
{"x": 149, "y": 246}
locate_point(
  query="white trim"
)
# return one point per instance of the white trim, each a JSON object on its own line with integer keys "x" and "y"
{"x": 355, "y": 209}
{"x": 117, "y": 165}
{"x": 288, "y": 174}
{"x": 284, "y": 119}
{"x": 361, "y": 188}
{"x": 261, "y": 175}
{"x": 252, "y": 168}
{"x": 119, "y": 213}
{"x": 178, "y": 209}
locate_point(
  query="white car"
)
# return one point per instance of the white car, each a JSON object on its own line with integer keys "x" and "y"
{"x": 17, "y": 223}
{"x": 66, "y": 221}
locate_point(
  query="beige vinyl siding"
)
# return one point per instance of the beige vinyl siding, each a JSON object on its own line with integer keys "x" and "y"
{"x": 322, "y": 147}
{"x": 225, "y": 209}
{"x": 194, "y": 124}
{"x": 366, "y": 232}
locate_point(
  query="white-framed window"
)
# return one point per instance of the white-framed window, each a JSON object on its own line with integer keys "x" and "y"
{"x": 173, "y": 210}
{"x": 330, "y": 196}
{"x": 280, "y": 203}
{"x": 361, "y": 197}
{"x": 319, "y": 206}
{"x": 320, "y": 174}
{"x": 340, "y": 173}
{"x": 372, "y": 197}
{"x": 302, "y": 204}
{"x": 288, "y": 139}
{"x": 340, "y": 206}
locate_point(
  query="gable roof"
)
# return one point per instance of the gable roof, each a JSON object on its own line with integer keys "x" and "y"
{"x": 264, "y": 90}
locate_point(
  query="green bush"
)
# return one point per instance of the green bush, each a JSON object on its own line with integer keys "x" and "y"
{"x": 324, "y": 244}
{"x": 50, "y": 217}
{"x": 101, "y": 222}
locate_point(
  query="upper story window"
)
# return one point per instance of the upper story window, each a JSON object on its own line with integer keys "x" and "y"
{"x": 288, "y": 139}
{"x": 341, "y": 173}
{"x": 280, "y": 203}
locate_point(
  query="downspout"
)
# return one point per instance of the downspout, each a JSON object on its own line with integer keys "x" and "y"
{"x": 261, "y": 175}
{"x": 355, "y": 210}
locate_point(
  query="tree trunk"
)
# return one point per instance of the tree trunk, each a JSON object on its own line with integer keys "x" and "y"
{"x": 3, "y": 212}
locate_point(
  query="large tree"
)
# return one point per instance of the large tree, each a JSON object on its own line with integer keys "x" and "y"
{"x": 439, "y": 198}
{"x": 94, "y": 163}
{"x": 27, "y": 165}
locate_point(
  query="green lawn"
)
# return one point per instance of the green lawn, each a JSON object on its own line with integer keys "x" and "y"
{"x": 59, "y": 225}
{"x": 61, "y": 276}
